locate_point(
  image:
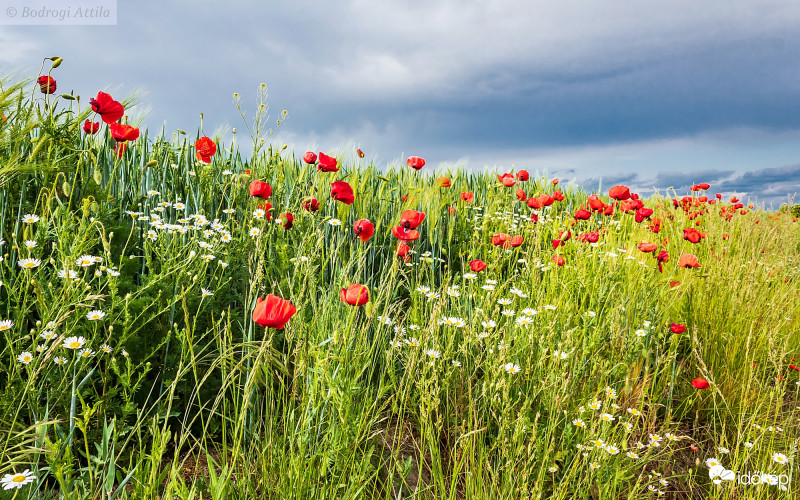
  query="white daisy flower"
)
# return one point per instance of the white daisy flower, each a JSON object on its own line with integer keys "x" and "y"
{"x": 30, "y": 218}
{"x": 29, "y": 263}
{"x": 25, "y": 357}
{"x": 74, "y": 342}
{"x": 95, "y": 315}
{"x": 11, "y": 481}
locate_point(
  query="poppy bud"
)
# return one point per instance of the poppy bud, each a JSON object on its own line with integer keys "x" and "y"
{"x": 56, "y": 62}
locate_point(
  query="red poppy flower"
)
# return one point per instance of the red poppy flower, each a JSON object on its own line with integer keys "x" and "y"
{"x": 411, "y": 219}
{"x": 591, "y": 237}
{"x": 656, "y": 225}
{"x": 404, "y": 234}
{"x": 274, "y": 312}
{"x": 793, "y": 367}
{"x": 516, "y": 241}
{"x": 521, "y": 195}
{"x": 91, "y": 127}
{"x": 359, "y": 153}
{"x": 555, "y": 181}
{"x": 608, "y": 210}
{"x": 47, "y": 84}
{"x": 119, "y": 148}
{"x": 443, "y": 182}
{"x": 523, "y": 175}
{"x": 673, "y": 284}
{"x": 364, "y": 229}
{"x": 700, "y": 383}
{"x": 122, "y": 133}
{"x": 688, "y": 260}
{"x": 620, "y": 192}
{"x": 558, "y": 196}
{"x": 558, "y": 260}
{"x": 205, "y": 149}
{"x": 327, "y": 163}
{"x": 719, "y": 196}
{"x": 266, "y": 207}
{"x": 341, "y": 191}
{"x": 534, "y": 218}
{"x": 288, "y": 220}
{"x": 108, "y": 109}
{"x": 595, "y": 203}
{"x": 502, "y": 178}
{"x": 500, "y": 239}
{"x": 311, "y": 204}
{"x": 509, "y": 181}
{"x": 310, "y": 157}
{"x": 582, "y": 214}
{"x": 546, "y": 200}
{"x": 260, "y": 189}
{"x": 704, "y": 185}
{"x": 693, "y": 235}
{"x": 661, "y": 258}
{"x": 534, "y": 203}
{"x": 402, "y": 249}
{"x": 355, "y": 295}
{"x": 468, "y": 197}
{"x": 677, "y": 328}
{"x": 647, "y": 247}
{"x": 643, "y": 213}
{"x": 477, "y": 265}
{"x": 415, "y": 162}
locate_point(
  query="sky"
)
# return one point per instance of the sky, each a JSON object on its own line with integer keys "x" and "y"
{"x": 655, "y": 95}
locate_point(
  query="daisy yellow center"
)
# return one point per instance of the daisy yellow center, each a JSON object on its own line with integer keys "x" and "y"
{"x": 3, "y": 328}
{"x": 19, "y": 478}
{"x": 74, "y": 344}
{"x": 29, "y": 264}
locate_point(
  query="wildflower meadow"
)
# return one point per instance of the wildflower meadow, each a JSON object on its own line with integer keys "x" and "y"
{"x": 187, "y": 318}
